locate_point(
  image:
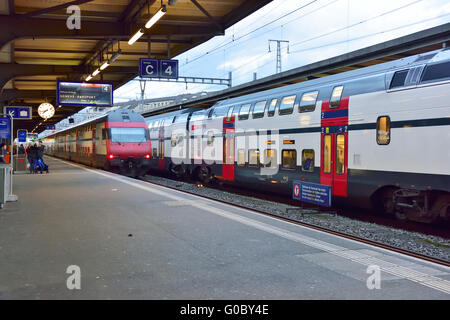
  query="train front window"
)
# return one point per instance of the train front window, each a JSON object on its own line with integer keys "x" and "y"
{"x": 124, "y": 135}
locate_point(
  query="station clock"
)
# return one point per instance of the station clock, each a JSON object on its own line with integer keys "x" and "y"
{"x": 46, "y": 110}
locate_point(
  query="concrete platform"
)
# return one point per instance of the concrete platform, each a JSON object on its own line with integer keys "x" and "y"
{"x": 132, "y": 240}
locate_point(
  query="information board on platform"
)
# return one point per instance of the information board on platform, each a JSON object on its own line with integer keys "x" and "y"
{"x": 312, "y": 193}
{"x": 5, "y": 128}
{"x": 85, "y": 94}
{"x": 18, "y": 113}
{"x": 22, "y": 135}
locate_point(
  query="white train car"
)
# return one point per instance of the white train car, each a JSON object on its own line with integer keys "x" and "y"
{"x": 378, "y": 136}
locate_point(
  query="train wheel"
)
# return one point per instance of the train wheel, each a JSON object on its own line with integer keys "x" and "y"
{"x": 385, "y": 202}
{"x": 202, "y": 174}
{"x": 441, "y": 207}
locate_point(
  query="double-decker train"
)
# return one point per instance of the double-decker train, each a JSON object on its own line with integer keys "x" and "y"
{"x": 378, "y": 137}
{"x": 116, "y": 141}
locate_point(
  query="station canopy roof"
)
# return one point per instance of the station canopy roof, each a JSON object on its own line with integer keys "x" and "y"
{"x": 37, "y": 48}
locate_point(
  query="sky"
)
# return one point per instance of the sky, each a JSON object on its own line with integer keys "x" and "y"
{"x": 316, "y": 30}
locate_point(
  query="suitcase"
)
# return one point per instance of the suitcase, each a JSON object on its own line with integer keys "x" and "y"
{"x": 41, "y": 166}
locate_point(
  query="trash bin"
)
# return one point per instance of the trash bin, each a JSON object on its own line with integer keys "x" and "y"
{"x": 20, "y": 163}
{"x": 4, "y": 184}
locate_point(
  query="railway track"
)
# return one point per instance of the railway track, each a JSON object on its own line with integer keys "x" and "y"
{"x": 246, "y": 193}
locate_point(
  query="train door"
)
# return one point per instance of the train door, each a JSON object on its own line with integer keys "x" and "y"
{"x": 161, "y": 147}
{"x": 77, "y": 146}
{"x": 334, "y": 143}
{"x": 94, "y": 151}
{"x": 228, "y": 148}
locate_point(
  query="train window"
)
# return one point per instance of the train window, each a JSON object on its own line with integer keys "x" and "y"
{"x": 383, "y": 130}
{"x": 398, "y": 80}
{"x": 258, "y": 109}
{"x": 210, "y": 138}
{"x": 104, "y": 134}
{"x": 340, "y": 154}
{"x": 230, "y": 113}
{"x": 210, "y": 113}
{"x": 308, "y": 101}
{"x": 287, "y": 105}
{"x": 220, "y": 111}
{"x": 241, "y": 157}
{"x": 253, "y": 158}
{"x": 155, "y": 153}
{"x": 327, "y": 153}
{"x": 235, "y": 111}
{"x": 438, "y": 71}
{"x": 243, "y": 112}
{"x": 174, "y": 140}
{"x": 336, "y": 95}
{"x": 272, "y": 106}
{"x": 181, "y": 118}
{"x": 308, "y": 160}
{"x": 289, "y": 159}
{"x": 270, "y": 158}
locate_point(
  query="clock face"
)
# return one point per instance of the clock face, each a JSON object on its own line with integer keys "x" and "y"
{"x": 46, "y": 110}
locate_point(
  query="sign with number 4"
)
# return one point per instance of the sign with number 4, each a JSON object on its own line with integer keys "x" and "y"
{"x": 169, "y": 69}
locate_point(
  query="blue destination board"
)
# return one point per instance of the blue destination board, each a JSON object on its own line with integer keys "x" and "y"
{"x": 22, "y": 135}
{"x": 84, "y": 94}
{"x": 311, "y": 192}
{"x": 5, "y": 128}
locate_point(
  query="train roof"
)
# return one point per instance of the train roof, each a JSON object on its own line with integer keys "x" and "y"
{"x": 173, "y": 113}
{"x": 381, "y": 69}
{"x": 117, "y": 115}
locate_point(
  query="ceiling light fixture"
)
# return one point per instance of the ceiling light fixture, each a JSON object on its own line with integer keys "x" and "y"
{"x": 89, "y": 77}
{"x": 105, "y": 65}
{"x": 162, "y": 11}
{"x": 115, "y": 56}
{"x": 96, "y": 72}
{"x": 136, "y": 36}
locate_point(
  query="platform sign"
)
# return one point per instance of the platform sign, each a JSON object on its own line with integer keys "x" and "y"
{"x": 84, "y": 94}
{"x": 5, "y": 128}
{"x": 149, "y": 68}
{"x": 312, "y": 193}
{"x": 18, "y": 113}
{"x": 169, "y": 69}
{"x": 22, "y": 135}
{"x": 32, "y": 136}
{"x": 158, "y": 68}
{"x": 50, "y": 127}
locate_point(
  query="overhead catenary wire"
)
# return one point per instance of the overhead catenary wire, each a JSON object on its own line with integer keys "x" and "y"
{"x": 352, "y": 39}
{"x": 296, "y": 19}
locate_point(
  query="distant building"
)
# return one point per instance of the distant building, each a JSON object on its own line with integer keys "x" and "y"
{"x": 147, "y": 105}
